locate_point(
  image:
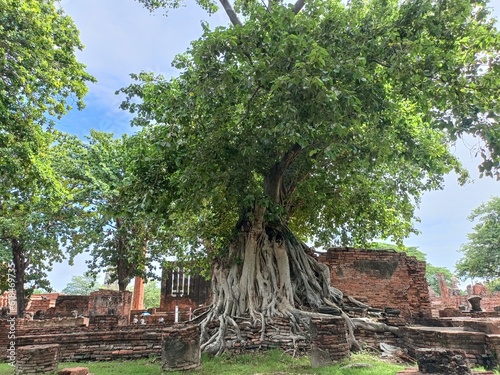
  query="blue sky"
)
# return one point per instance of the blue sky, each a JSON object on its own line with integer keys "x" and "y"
{"x": 122, "y": 37}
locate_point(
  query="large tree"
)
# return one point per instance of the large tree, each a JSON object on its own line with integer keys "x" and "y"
{"x": 39, "y": 218}
{"x": 481, "y": 254}
{"x": 320, "y": 120}
{"x": 40, "y": 78}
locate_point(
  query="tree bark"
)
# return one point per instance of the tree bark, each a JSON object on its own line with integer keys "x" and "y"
{"x": 20, "y": 264}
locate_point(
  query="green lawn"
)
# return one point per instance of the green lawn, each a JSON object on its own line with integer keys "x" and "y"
{"x": 272, "y": 363}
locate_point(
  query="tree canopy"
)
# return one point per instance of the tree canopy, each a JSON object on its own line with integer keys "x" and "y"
{"x": 336, "y": 118}
{"x": 119, "y": 234}
{"x": 319, "y": 120}
{"x": 481, "y": 254}
{"x": 40, "y": 79}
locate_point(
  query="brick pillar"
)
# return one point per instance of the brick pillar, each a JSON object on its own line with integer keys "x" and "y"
{"x": 138, "y": 298}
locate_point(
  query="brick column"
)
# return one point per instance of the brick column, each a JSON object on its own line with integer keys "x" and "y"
{"x": 138, "y": 298}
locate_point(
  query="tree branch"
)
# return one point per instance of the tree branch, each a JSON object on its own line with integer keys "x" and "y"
{"x": 230, "y": 12}
{"x": 298, "y": 6}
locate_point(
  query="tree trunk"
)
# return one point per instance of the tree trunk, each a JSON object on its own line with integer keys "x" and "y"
{"x": 121, "y": 265}
{"x": 267, "y": 273}
{"x": 20, "y": 265}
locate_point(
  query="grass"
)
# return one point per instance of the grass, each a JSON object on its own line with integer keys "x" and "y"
{"x": 273, "y": 362}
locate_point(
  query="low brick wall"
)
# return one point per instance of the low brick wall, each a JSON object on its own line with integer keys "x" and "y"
{"x": 473, "y": 343}
{"x": 279, "y": 334}
{"x": 37, "y": 359}
{"x": 126, "y": 343}
{"x": 145, "y": 340}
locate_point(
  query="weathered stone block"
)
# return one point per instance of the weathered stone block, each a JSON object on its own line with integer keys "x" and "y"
{"x": 442, "y": 361}
{"x": 181, "y": 349}
{"x": 37, "y": 359}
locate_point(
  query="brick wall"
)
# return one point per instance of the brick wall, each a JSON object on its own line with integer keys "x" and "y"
{"x": 473, "y": 343}
{"x": 183, "y": 290}
{"x": 87, "y": 343}
{"x": 381, "y": 278}
{"x": 65, "y": 305}
{"x": 41, "y": 302}
{"x": 110, "y": 302}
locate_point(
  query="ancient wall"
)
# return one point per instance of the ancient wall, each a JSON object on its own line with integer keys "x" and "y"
{"x": 143, "y": 341}
{"x": 110, "y": 302}
{"x": 473, "y": 343}
{"x": 450, "y": 299}
{"x": 381, "y": 278}
{"x": 65, "y": 305}
{"x": 41, "y": 302}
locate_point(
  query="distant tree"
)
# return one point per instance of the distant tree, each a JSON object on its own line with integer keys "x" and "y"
{"x": 81, "y": 285}
{"x": 119, "y": 235}
{"x": 152, "y": 293}
{"x": 481, "y": 254}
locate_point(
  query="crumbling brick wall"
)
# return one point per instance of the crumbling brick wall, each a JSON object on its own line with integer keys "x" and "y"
{"x": 65, "y": 305}
{"x": 41, "y": 302}
{"x": 381, "y": 278}
{"x": 110, "y": 302}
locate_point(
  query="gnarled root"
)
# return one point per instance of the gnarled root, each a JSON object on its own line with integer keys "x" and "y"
{"x": 269, "y": 273}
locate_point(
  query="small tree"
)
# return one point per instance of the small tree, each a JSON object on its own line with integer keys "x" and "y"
{"x": 481, "y": 254}
{"x": 121, "y": 237}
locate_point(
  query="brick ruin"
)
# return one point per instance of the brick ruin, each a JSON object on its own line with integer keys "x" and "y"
{"x": 382, "y": 279}
{"x": 186, "y": 292}
{"x": 392, "y": 283}
{"x": 452, "y": 299}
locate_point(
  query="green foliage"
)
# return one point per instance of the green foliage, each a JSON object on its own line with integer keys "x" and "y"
{"x": 81, "y": 285}
{"x": 152, "y": 293}
{"x": 481, "y": 254}
{"x": 39, "y": 78}
{"x": 334, "y": 119}
{"x": 493, "y": 286}
{"x": 120, "y": 236}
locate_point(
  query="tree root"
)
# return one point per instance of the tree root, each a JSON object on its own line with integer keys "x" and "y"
{"x": 269, "y": 273}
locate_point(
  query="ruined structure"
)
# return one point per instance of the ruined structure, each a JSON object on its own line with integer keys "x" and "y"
{"x": 183, "y": 293}
{"x": 392, "y": 284}
{"x": 381, "y": 279}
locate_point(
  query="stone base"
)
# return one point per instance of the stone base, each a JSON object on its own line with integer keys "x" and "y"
{"x": 442, "y": 361}
{"x": 181, "y": 349}
{"x": 37, "y": 359}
